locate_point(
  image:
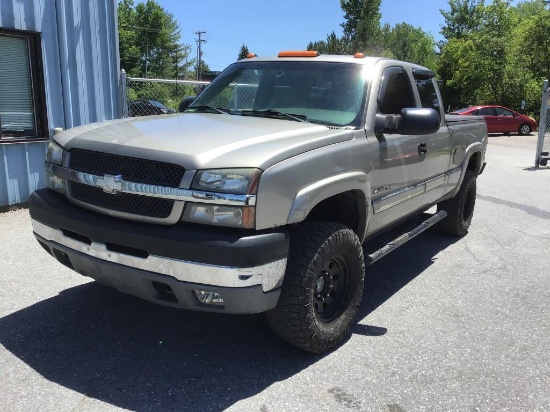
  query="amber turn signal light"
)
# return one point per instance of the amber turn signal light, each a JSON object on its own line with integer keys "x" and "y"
{"x": 299, "y": 53}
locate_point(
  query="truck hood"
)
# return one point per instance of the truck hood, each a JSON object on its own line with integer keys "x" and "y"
{"x": 204, "y": 140}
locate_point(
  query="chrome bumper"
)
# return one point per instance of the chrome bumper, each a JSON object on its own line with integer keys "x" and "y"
{"x": 269, "y": 276}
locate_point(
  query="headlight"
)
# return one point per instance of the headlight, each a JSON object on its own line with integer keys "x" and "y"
{"x": 242, "y": 217}
{"x": 54, "y": 154}
{"x": 234, "y": 181}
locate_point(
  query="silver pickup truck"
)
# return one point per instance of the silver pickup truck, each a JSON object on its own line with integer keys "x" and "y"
{"x": 262, "y": 195}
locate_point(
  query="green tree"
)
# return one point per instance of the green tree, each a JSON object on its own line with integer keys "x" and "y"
{"x": 475, "y": 59}
{"x": 527, "y": 65}
{"x": 458, "y": 70}
{"x": 492, "y": 42}
{"x": 130, "y": 54}
{"x": 150, "y": 41}
{"x": 463, "y": 18}
{"x": 362, "y": 33}
{"x": 332, "y": 45}
{"x": 243, "y": 52}
{"x": 531, "y": 40}
{"x": 361, "y": 25}
{"x": 529, "y": 9}
{"x": 408, "y": 43}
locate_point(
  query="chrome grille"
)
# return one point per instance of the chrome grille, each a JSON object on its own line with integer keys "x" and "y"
{"x": 131, "y": 169}
{"x": 122, "y": 202}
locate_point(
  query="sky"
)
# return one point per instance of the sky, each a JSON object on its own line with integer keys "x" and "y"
{"x": 266, "y": 27}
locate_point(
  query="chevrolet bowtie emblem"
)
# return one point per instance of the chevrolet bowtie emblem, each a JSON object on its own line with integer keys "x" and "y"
{"x": 110, "y": 184}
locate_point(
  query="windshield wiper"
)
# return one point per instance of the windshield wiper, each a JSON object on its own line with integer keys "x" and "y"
{"x": 207, "y": 108}
{"x": 275, "y": 113}
{"x": 333, "y": 125}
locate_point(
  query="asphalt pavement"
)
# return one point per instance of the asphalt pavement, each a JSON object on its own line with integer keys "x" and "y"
{"x": 446, "y": 324}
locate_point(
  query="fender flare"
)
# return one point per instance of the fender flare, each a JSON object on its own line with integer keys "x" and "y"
{"x": 310, "y": 196}
{"x": 471, "y": 150}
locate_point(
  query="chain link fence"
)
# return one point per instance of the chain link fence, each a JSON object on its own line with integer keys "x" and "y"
{"x": 144, "y": 97}
{"x": 543, "y": 146}
{"x": 238, "y": 96}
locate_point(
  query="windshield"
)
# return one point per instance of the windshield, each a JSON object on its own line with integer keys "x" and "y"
{"x": 320, "y": 92}
{"x": 462, "y": 110}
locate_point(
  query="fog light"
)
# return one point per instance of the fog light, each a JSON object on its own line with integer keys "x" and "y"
{"x": 54, "y": 182}
{"x": 208, "y": 298}
{"x": 229, "y": 216}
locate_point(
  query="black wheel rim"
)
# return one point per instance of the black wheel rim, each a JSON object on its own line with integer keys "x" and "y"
{"x": 332, "y": 288}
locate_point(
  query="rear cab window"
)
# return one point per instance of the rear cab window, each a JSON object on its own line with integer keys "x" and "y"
{"x": 424, "y": 80}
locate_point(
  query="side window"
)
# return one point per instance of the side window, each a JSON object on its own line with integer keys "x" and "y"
{"x": 503, "y": 112}
{"x": 486, "y": 111}
{"x": 22, "y": 110}
{"x": 395, "y": 92}
{"x": 427, "y": 91}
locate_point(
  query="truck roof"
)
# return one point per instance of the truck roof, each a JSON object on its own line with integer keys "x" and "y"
{"x": 366, "y": 60}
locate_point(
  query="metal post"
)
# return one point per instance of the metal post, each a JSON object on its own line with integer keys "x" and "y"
{"x": 542, "y": 124}
{"x": 199, "y": 53}
{"x": 124, "y": 93}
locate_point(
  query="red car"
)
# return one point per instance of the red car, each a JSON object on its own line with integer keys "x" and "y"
{"x": 501, "y": 119}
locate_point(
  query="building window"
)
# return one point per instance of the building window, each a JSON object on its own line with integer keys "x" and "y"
{"x": 22, "y": 110}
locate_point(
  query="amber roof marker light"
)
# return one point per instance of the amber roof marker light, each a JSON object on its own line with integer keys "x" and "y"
{"x": 359, "y": 55}
{"x": 251, "y": 55}
{"x": 298, "y": 53}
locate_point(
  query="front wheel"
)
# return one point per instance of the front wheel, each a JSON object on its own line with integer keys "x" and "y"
{"x": 322, "y": 288}
{"x": 524, "y": 129}
{"x": 460, "y": 209}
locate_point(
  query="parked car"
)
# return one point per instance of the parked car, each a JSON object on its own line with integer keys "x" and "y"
{"x": 501, "y": 119}
{"x": 147, "y": 108}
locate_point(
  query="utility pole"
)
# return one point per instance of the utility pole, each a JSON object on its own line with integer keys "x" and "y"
{"x": 199, "y": 52}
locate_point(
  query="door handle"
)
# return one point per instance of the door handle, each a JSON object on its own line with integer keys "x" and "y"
{"x": 422, "y": 148}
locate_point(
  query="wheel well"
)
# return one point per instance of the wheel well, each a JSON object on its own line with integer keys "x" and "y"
{"x": 474, "y": 164}
{"x": 348, "y": 208}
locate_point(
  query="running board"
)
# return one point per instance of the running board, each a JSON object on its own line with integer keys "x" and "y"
{"x": 404, "y": 238}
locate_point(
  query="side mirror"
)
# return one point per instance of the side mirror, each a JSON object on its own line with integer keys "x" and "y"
{"x": 411, "y": 121}
{"x": 185, "y": 103}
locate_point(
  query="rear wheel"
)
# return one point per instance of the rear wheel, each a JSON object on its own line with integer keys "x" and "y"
{"x": 460, "y": 209}
{"x": 524, "y": 129}
{"x": 322, "y": 288}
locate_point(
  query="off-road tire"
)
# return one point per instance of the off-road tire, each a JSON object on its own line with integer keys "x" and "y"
{"x": 322, "y": 288}
{"x": 460, "y": 208}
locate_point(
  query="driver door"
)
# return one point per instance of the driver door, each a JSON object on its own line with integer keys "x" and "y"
{"x": 401, "y": 165}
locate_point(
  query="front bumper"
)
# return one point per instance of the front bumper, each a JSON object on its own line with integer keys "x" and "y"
{"x": 164, "y": 264}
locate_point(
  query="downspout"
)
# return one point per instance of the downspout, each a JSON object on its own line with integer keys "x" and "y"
{"x": 61, "y": 25}
{"x": 121, "y": 96}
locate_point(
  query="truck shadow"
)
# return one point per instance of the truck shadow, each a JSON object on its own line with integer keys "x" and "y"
{"x": 140, "y": 356}
{"x": 387, "y": 276}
